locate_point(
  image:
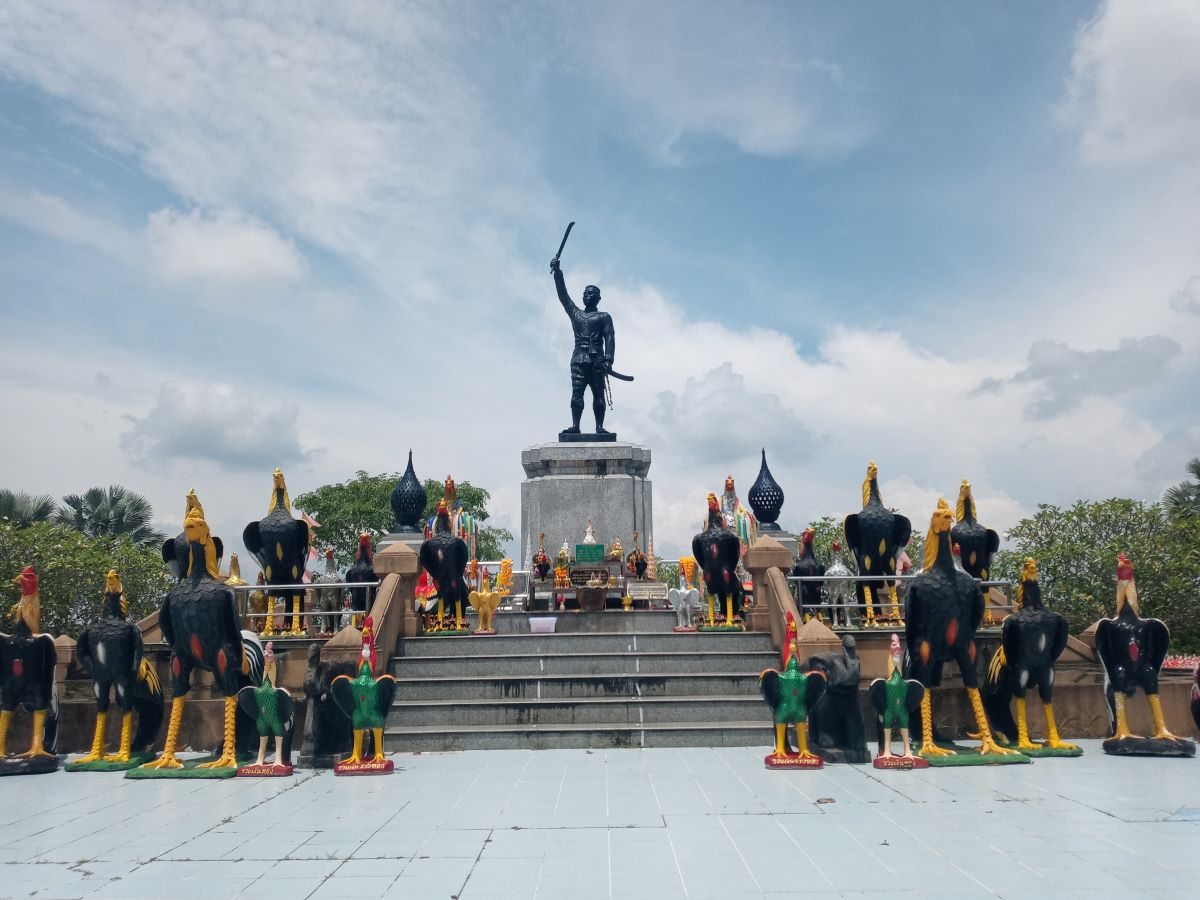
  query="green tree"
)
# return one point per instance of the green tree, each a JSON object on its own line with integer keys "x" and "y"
{"x": 364, "y": 503}
{"x": 489, "y": 540}
{"x": 115, "y": 511}
{"x": 71, "y": 566}
{"x": 1076, "y": 552}
{"x": 22, "y": 509}
{"x": 1183, "y": 500}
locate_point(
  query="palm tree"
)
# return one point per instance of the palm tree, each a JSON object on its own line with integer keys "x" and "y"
{"x": 115, "y": 512}
{"x": 1183, "y": 500}
{"x": 22, "y": 509}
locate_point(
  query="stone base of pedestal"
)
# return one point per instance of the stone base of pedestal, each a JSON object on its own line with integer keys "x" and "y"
{"x": 568, "y": 483}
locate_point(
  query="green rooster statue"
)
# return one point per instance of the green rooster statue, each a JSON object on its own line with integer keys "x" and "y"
{"x": 791, "y": 694}
{"x": 895, "y": 699}
{"x": 271, "y": 709}
{"x": 366, "y": 700}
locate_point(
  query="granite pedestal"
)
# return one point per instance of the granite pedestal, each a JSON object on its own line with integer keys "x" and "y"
{"x": 568, "y": 483}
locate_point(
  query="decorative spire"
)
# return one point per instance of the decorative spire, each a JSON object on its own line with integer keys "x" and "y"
{"x": 766, "y": 498}
{"x": 408, "y": 500}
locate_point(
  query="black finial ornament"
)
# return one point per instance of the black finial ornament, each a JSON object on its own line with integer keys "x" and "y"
{"x": 766, "y": 498}
{"x": 408, "y": 500}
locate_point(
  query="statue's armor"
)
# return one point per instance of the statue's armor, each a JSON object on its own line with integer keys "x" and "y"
{"x": 595, "y": 346}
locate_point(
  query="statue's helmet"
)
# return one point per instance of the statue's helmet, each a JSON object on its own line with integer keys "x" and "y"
{"x": 591, "y": 296}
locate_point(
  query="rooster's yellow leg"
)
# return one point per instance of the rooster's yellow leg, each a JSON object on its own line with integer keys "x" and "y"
{"x": 781, "y": 747}
{"x": 167, "y": 760}
{"x": 5, "y": 718}
{"x": 356, "y": 754}
{"x": 986, "y": 744}
{"x": 1122, "y": 727}
{"x": 728, "y": 610}
{"x": 895, "y": 603}
{"x": 869, "y": 612}
{"x": 928, "y": 747}
{"x": 1052, "y": 739}
{"x": 802, "y": 740}
{"x": 1023, "y": 742}
{"x": 712, "y": 613}
{"x": 297, "y": 629}
{"x": 228, "y": 758}
{"x": 458, "y": 615}
{"x": 97, "y": 752}
{"x": 122, "y": 755}
{"x": 36, "y": 747}
{"x": 1160, "y": 726}
{"x": 377, "y": 740}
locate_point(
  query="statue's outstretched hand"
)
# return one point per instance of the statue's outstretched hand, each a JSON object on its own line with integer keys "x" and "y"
{"x": 554, "y": 265}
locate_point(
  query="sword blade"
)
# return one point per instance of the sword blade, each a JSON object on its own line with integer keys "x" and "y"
{"x": 566, "y": 234}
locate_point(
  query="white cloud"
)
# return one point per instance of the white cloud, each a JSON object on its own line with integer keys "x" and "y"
{"x": 1135, "y": 82}
{"x": 215, "y": 423}
{"x": 221, "y": 249}
{"x": 56, "y": 217}
{"x": 1187, "y": 298}
{"x": 750, "y": 77}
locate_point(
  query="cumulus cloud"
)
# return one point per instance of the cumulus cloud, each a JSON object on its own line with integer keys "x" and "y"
{"x": 215, "y": 423}
{"x": 1135, "y": 81}
{"x": 696, "y": 420}
{"x": 752, "y": 79}
{"x": 1064, "y": 377}
{"x": 222, "y": 249}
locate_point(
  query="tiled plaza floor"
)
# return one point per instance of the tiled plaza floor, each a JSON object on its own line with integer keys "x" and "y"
{"x": 620, "y": 823}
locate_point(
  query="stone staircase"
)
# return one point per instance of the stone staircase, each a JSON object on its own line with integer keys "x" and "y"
{"x": 605, "y": 679}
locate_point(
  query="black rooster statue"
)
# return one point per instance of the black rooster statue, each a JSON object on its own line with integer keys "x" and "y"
{"x": 942, "y": 612}
{"x": 807, "y": 566}
{"x": 280, "y": 544}
{"x": 200, "y": 622}
{"x": 362, "y": 572}
{"x": 111, "y": 652}
{"x": 27, "y": 661}
{"x": 876, "y": 535}
{"x": 976, "y": 544}
{"x": 175, "y": 550}
{"x": 718, "y": 551}
{"x": 444, "y": 557}
{"x": 1032, "y": 639}
{"x": 273, "y": 713}
{"x": 1133, "y": 650}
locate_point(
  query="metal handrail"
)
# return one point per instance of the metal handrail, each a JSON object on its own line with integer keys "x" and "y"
{"x": 268, "y": 588}
{"x": 1001, "y": 582}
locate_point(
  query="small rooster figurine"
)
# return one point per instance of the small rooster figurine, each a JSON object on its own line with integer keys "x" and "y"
{"x": 27, "y": 661}
{"x": 1032, "y": 639}
{"x": 807, "y": 567}
{"x": 280, "y": 544}
{"x": 111, "y": 651}
{"x": 1133, "y": 650}
{"x": 718, "y": 551}
{"x": 329, "y": 599}
{"x": 895, "y": 699}
{"x": 485, "y": 604}
{"x": 444, "y": 557}
{"x": 791, "y": 694}
{"x": 363, "y": 572}
{"x": 875, "y": 536}
{"x": 976, "y": 544}
{"x": 271, "y": 709}
{"x": 366, "y": 699}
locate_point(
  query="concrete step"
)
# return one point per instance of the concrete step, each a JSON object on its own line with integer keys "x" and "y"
{"x": 577, "y": 711}
{"x": 584, "y": 642}
{"x": 622, "y": 663}
{"x": 512, "y": 622}
{"x": 433, "y": 738}
{"x": 534, "y": 687}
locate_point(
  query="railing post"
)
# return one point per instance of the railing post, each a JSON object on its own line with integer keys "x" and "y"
{"x": 767, "y": 553}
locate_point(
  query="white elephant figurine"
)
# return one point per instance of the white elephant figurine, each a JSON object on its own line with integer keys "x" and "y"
{"x": 685, "y": 602}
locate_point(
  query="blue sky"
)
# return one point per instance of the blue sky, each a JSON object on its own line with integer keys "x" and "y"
{"x": 955, "y": 238}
